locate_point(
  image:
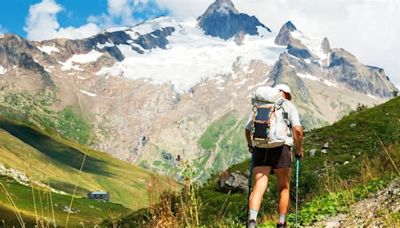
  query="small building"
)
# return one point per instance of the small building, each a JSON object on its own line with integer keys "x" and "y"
{"x": 99, "y": 195}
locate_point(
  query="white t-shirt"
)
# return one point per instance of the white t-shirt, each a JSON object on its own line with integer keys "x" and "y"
{"x": 293, "y": 116}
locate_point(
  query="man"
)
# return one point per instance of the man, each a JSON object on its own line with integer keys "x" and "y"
{"x": 277, "y": 159}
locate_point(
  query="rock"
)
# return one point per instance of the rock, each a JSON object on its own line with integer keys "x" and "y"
{"x": 284, "y": 37}
{"x": 232, "y": 182}
{"x": 326, "y": 146}
{"x": 353, "y": 125}
{"x": 346, "y": 162}
{"x": 312, "y": 152}
{"x": 325, "y": 46}
{"x": 324, "y": 151}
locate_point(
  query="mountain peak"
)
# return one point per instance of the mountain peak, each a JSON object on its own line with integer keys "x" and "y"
{"x": 284, "y": 37}
{"x": 221, "y": 7}
{"x": 290, "y": 26}
{"x": 223, "y": 20}
{"x": 325, "y": 46}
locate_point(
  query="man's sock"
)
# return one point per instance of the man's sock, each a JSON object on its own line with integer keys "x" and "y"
{"x": 282, "y": 218}
{"x": 253, "y": 214}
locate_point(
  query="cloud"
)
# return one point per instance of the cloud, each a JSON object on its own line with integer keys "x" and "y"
{"x": 191, "y": 8}
{"x": 127, "y": 12}
{"x": 41, "y": 23}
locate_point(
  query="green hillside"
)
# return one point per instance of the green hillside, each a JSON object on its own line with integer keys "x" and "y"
{"x": 363, "y": 146}
{"x": 57, "y": 162}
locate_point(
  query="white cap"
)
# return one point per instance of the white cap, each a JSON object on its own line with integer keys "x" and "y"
{"x": 285, "y": 88}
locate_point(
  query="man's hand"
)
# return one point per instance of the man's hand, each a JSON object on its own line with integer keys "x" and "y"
{"x": 299, "y": 154}
{"x": 251, "y": 148}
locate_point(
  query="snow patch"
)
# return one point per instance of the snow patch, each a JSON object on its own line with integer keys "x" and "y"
{"x": 373, "y": 97}
{"x": 191, "y": 56}
{"x": 258, "y": 84}
{"x": 150, "y": 26}
{"x": 92, "y": 56}
{"x": 48, "y": 49}
{"x": 107, "y": 44}
{"x": 68, "y": 65}
{"x": 88, "y": 93}
{"x": 328, "y": 83}
{"x": 308, "y": 76}
{"x": 81, "y": 58}
{"x": 116, "y": 29}
{"x": 239, "y": 84}
{"x": 127, "y": 50}
{"x": 313, "y": 78}
{"x": 2, "y": 70}
{"x": 312, "y": 43}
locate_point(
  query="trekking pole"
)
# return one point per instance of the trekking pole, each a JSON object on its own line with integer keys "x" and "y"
{"x": 297, "y": 187}
{"x": 250, "y": 179}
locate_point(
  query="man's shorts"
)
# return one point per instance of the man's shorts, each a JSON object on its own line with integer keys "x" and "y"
{"x": 278, "y": 157}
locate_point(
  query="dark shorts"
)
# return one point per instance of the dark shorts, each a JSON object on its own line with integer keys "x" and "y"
{"x": 278, "y": 157}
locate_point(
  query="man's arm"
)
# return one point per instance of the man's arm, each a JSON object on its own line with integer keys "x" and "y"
{"x": 248, "y": 137}
{"x": 298, "y": 139}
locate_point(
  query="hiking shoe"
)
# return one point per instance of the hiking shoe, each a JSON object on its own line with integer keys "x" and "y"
{"x": 281, "y": 225}
{"x": 251, "y": 224}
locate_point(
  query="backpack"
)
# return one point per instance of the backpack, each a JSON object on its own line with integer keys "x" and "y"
{"x": 270, "y": 124}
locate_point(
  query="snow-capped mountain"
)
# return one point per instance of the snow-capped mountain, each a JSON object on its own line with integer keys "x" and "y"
{"x": 223, "y": 20}
{"x": 159, "y": 89}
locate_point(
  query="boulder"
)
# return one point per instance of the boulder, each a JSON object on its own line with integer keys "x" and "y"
{"x": 232, "y": 182}
{"x": 312, "y": 152}
{"x": 326, "y": 146}
{"x": 324, "y": 151}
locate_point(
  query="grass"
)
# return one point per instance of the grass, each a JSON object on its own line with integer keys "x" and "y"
{"x": 210, "y": 137}
{"x": 356, "y": 155}
{"x": 57, "y": 162}
{"x": 36, "y": 110}
{"x": 88, "y": 212}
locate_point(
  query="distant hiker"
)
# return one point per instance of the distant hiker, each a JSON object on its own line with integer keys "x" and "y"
{"x": 272, "y": 128}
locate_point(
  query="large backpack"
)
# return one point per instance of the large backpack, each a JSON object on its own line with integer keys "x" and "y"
{"x": 270, "y": 125}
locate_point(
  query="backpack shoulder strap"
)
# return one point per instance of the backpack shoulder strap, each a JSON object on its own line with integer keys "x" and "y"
{"x": 280, "y": 105}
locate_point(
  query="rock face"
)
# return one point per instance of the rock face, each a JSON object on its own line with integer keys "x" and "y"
{"x": 325, "y": 46}
{"x": 232, "y": 182}
{"x": 222, "y": 20}
{"x": 284, "y": 37}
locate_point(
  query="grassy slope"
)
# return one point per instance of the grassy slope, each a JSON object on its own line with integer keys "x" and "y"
{"x": 357, "y": 145}
{"x": 57, "y": 162}
{"x": 89, "y": 212}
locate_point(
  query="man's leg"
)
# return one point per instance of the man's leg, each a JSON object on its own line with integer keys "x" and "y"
{"x": 283, "y": 176}
{"x": 261, "y": 175}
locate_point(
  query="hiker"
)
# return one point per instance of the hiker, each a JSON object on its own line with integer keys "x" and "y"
{"x": 273, "y": 156}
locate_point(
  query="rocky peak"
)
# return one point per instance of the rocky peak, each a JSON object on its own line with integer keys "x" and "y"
{"x": 284, "y": 37}
{"x": 325, "y": 46}
{"x": 221, "y": 7}
{"x": 290, "y": 26}
{"x": 223, "y": 20}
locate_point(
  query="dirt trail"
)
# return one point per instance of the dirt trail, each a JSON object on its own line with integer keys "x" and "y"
{"x": 372, "y": 212}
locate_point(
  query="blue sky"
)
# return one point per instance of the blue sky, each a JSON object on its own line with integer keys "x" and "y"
{"x": 13, "y": 13}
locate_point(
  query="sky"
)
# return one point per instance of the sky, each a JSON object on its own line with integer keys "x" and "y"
{"x": 370, "y": 29}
